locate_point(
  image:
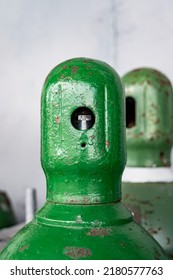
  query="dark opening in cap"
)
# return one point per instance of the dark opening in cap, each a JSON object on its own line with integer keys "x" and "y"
{"x": 82, "y": 118}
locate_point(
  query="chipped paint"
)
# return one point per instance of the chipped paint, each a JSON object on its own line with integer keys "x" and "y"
{"x": 74, "y": 69}
{"x": 101, "y": 232}
{"x": 107, "y": 143}
{"x": 23, "y": 248}
{"x": 58, "y": 120}
{"x": 79, "y": 219}
{"x": 77, "y": 252}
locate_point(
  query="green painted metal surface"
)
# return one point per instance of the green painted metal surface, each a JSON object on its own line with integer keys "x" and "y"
{"x": 152, "y": 205}
{"x": 149, "y": 142}
{"x": 7, "y": 217}
{"x": 77, "y": 174}
{"x": 150, "y": 137}
{"x": 83, "y": 158}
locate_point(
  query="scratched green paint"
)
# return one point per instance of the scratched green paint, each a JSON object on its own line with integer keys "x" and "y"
{"x": 83, "y": 217}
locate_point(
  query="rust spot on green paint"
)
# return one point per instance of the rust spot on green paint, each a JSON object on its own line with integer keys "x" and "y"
{"x": 166, "y": 93}
{"x": 163, "y": 159}
{"x": 83, "y": 200}
{"x": 135, "y": 210}
{"x": 65, "y": 67}
{"x": 138, "y": 135}
{"x": 168, "y": 141}
{"x": 157, "y": 121}
{"x": 126, "y": 196}
{"x": 157, "y": 254}
{"x": 153, "y": 231}
{"x": 137, "y": 70}
{"x": 74, "y": 69}
{"x": 77, "y": 252}
{"x": 153, "y": 106}
{"x": 146, "y": 202}
{"x": 23, "y": 248}
{"x": 101, "y": 232}
{"x": 149, "y": 212}
{"x": 62, "y": 76}
{"x": 58, "y": 120}
{"x": 72, "y": 201}
{"x": 107, "y": 143}
{"x": 67, "y": 78}
{"x": 164, "y": 82}
{"x": 86, "y": 60}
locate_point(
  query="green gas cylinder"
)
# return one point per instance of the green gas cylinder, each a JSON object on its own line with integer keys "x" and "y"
{"x": 7, "y": 217}
{"x": 83, "y": 157}
{"x": 148, "y": 178}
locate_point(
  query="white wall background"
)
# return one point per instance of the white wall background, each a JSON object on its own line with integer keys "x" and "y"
{"x": 35, "y": 35}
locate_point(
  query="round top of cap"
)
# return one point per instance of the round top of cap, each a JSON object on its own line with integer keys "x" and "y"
{"x": 83, "y": 69}
{"x": 147, "y": 75}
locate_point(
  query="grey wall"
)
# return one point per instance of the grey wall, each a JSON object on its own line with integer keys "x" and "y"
{"x": 38, "y": 34}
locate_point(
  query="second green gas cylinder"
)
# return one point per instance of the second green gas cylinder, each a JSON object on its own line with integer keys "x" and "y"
{"x": 148, "y": 178}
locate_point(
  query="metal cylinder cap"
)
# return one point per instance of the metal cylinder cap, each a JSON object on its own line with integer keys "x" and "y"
{"x": 149, "y": 118}
{"x": 83, "y": 132}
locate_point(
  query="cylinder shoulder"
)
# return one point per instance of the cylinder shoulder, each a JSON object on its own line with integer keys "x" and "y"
{"x": 95, "y": 241}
